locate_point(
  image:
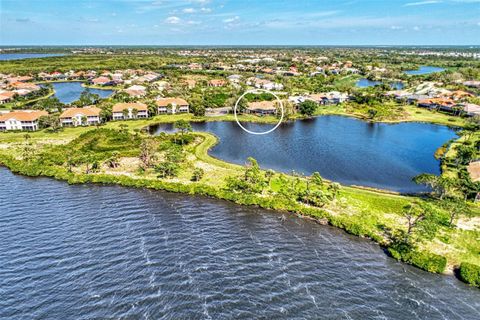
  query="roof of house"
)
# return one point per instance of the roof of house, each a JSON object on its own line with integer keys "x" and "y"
{"x": 217, "y": 82}
{"x": 262, "y": 105}
{"x": 7, "y": 95}
{"x": 440, "y": 101}
{"x": 24, "y": 115}
{"x": 119, "y": 107}
{"x": 164, "y": 102}
{"x": 86, "y": 111}
{"x": 101, "y": 80}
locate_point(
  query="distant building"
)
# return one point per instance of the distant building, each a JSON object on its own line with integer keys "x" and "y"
{"x": 217, "y": 83}
{"x": 172, "y": 105}
{"x": 80, "y": 116}
{"x": 26, "y": 120}
{"x": 123, "y": 111}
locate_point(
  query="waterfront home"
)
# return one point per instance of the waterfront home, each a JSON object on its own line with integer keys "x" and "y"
{"x": 262, "y": 107}
{"x": 437, "y": 103}
{"x": 217, "y": 83}
{"x": 172, "y": 105}
{"x": 26, "y": 120}
{"x": 18, "y": 85}
{"x": 136, "y": 91}
{"x": 6, "y": 96}
{"x": 399, "y": 95}
{"x": 458, "y": 95}
{"x": 101, "y": 81}
{"x": 80, "y": 116}
{"x": 471, "y": 109}
{"x": 332, "y": 97}
{"x": 123, "y": 111}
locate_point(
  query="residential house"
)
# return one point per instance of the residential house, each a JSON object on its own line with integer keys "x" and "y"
{"x": 123, "y": 111}
{"x": 332, "y": 97}
{"x": 217, "y": 83}
{"x": 136, "y": 91}
{"x": 172, "y": 105}
{"x": 262, "y": 107}
{"x": 263, "y": 84}
{"x": 80, "y": 116}
{"x": 471, "y": 109}
{"x": 234, "y": 78}
{"x": 446, "y": 104}
{"x": 472, "y": 84}
{"x": 190, "y": 83}
{"x": 26, "y": 120}
{"x": 102, "y": 81}
{"x": 6, "y": 96}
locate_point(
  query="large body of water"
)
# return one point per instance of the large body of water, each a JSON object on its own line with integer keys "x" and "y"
{"x": 68, "y": 92}
{"x": 18, "y": 56}
{"x": 342, "y": 149}
{"x": 424, "y": 70}
{"x": 107, "y": 252}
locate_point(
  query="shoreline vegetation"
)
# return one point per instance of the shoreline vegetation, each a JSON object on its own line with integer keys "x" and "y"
{"x": 121, "y": 152}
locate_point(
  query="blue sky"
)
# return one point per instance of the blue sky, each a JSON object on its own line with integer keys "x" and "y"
{"x": 239, "y": 22}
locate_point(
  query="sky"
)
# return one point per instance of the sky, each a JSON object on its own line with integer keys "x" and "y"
{"x": 240, "y": 22}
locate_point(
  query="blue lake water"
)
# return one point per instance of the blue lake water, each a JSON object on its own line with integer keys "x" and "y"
{"x": 364, "y": 83}
{"x": 18, "y": 56}
{"x": 68, "y": 92}
{"x": 424, "y": 70}
{"x": 342, "y": 149}
{"x": 107, "y": 252}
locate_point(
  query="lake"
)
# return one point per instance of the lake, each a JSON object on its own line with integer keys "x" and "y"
{"x": 108, "y": 252}
{"x": 18, "y": 56}
{"x": 365, "y": 83}
{"x": 424, "y": 70}
{"x": 68, "y": 92}
{"x": 342, "y": 149}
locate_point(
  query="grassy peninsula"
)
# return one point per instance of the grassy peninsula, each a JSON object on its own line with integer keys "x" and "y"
{"x": 122, "y": 153}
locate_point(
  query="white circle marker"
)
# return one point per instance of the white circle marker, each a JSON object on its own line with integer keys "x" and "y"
{"x": 256, "y": 91}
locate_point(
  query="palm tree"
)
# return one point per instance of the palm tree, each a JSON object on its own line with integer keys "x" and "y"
{"x": 125, "y": 114}
{"x": 134, "y": 113}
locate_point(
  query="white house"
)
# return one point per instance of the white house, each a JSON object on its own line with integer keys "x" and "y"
{"x": 172, "y": 105}
{"x": 80, "y": 116}
{"x": 21, "y": 120}
{"x": 123, "y": 111}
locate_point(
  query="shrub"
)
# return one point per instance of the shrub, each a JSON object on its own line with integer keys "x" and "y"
{"x": 198, "y": 174}
{"x": 424, "y": 260}
{"x": 470, "y": 273}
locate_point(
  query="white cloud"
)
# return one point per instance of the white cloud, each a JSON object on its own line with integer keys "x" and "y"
{"x": 396, "y": 27}
{"x": 421, "y": 3}
{"x": 231, "y": 20}
{"x": 173, "y": 20}
{"x": 189, "y": 10}
{"x": 416, "y": 28}
{"x": 205, "y": 10}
